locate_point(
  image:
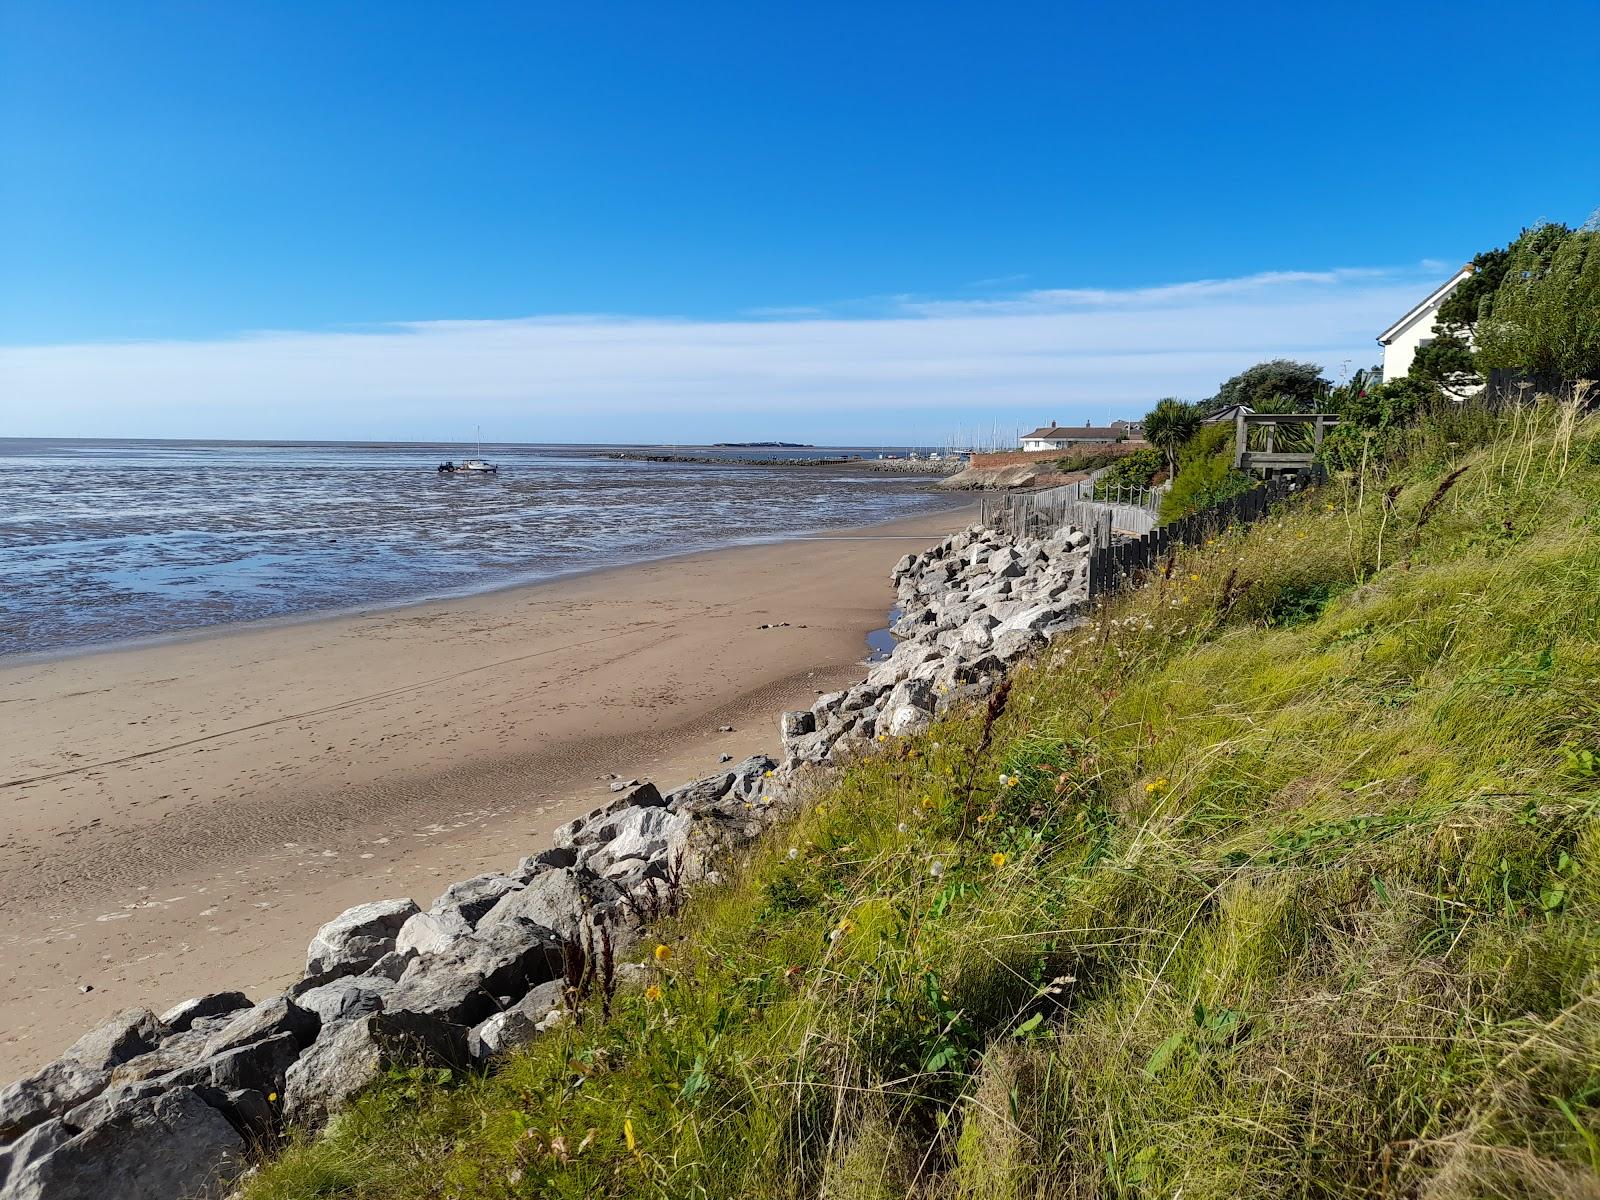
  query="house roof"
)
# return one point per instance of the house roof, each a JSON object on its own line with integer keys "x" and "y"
{"x": 1228, "y": 414}
{"x": 1435, "y": 298}
{"x": 1072, "y": 433}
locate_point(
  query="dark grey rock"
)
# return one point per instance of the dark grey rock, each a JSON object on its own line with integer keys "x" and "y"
{"x": 517, "y": 1025}
{"x": 267, "y": 1019}
{"x": 147, "y": 1148}
{"x": 185, "y": 1013}
{"x": 348, "y": 997}
{"x": 591, "y": 828}
{"x": 463, "y": 984}
{"x": 81, "y": 1073}
{"x": 17, "y": 1156}
{"x": 797, "y": 723}
{"x": 545, "y": 860}
{"x": 347, "y": 1057}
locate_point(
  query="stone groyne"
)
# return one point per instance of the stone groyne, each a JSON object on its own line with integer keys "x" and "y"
{"x": 176, "y": 1104}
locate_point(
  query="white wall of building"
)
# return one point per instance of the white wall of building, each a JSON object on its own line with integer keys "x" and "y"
{"x": 1400, "y": 350}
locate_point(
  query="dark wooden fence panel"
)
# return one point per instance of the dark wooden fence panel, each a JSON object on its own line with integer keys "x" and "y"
{"x": 1118, "y": 566}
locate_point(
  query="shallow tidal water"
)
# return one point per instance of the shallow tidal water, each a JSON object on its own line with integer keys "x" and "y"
{"x": 111, "y": 541}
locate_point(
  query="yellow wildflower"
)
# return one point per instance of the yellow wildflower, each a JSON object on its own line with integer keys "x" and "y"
{"x": 998, "y": 859}
{"x": 653, "y": 992}
{"x": 1155, "y": 786}
{"x": 1194, "y": 579}
{"x": 627, "y": 1133}
{"x": 663, "y": 953}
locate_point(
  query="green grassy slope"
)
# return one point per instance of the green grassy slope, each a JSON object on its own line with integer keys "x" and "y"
{"x": 1277, "y": 879}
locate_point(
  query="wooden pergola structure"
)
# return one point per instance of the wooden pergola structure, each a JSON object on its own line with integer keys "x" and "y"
{"x": 1266, "y": 455}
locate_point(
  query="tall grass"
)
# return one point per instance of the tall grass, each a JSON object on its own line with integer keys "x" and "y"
{"x": 1277, "y": 879}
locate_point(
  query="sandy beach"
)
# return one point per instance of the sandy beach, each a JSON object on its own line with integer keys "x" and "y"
{"x": 180, "y": 818}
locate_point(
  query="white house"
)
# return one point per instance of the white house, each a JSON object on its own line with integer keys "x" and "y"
{"x": 1402, "y": 339}
{"x": 1059, "y": 437}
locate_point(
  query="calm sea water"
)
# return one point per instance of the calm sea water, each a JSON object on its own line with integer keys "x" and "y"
{"x": 107, "y": 541}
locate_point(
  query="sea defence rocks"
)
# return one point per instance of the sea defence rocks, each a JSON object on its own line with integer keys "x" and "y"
{"x": 172, "y": 1105}
{"x": 968, "y": 608}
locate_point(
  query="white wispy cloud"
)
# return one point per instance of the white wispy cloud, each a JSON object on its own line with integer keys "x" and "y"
{"x": 912, "y": 371}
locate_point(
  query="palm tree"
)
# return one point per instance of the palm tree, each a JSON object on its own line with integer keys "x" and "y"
{"x": 1168, "y": 426}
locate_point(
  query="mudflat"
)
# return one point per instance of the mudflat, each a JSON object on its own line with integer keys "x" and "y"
{"x": 180, "y": 818}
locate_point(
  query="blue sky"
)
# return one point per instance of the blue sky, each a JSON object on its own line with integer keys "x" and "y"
{"x": 821, "y": 222}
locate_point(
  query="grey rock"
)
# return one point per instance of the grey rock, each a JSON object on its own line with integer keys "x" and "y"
{"x": 431, "y": 933}
{"x": 17, "y": 1156}
{"x": 465, "y": 984}
{"x": 267, "y": 1019}
{"x": 701, "y": 791}
{"x": 348, "y": 997}
{"x": 177, "y": 1051}
{"x": 560, "y": 901}
{"x": 357, "y": 937}
{"x": 185, "y": 1013}
{"x": 797, "y": 723}
{"x": 390, "y": 966}
{"x": 591, "y": 828}
{"x": 258, "y": 1065}
{"x": 517, "y": 1025}
{"x": 750, "y": 776}
{"x": 129, "y": 1034}
{"x": 251, "y": 1114}
{"x": 545, "y": 860}
{"x": 646, "y": 833}
{"x": 148, "y": 1148}
{"x": 474, "y": 897}
{"x": 342, "y": 1062}
{"x": 1005, "y": 563}
{"x": 80, "y": 1074}
{"x": 1029, "y": 620}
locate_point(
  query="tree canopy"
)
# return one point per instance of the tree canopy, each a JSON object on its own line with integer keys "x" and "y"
{"x": 1543, "y": 318}
{"x": 1279, "y": 385}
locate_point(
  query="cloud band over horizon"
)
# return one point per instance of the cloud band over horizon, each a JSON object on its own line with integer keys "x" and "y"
{"x": 893, "y": 371}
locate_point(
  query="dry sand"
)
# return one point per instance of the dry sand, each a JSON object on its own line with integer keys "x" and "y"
{"x": 179, "y": 818}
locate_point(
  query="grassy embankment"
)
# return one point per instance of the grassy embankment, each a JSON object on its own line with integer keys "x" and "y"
{"x": 1277, "y": 879}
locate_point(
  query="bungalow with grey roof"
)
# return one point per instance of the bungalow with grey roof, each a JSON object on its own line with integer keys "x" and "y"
{"x": 1059, "y": 437}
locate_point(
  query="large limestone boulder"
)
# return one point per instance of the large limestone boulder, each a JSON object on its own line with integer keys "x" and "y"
{"x": 561, "y": 901}
{"x": 491, "y": 968}
{"x": 457, "y": 912}
{"x": 797, "y": 723}
{"x": 185, "y": 1013}
{"x": 347, "y": 997}
{"x": 346, "y": 1058}
{"x": 357, "y": 937}
{"x": 267, "y": 1019}
{"x": 80, "y": 1074}
{"x": 517, "y": 1025}
{"x": 157, "y": 1147}
{"x": 909, "y": 707}
{"x": 592, "y": 828}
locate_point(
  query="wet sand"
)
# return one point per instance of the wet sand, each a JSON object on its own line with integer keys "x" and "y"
{"x": 180, "y": 818}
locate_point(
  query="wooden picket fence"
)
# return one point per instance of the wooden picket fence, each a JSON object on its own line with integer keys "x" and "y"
{"x": 1117, "y": 566}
